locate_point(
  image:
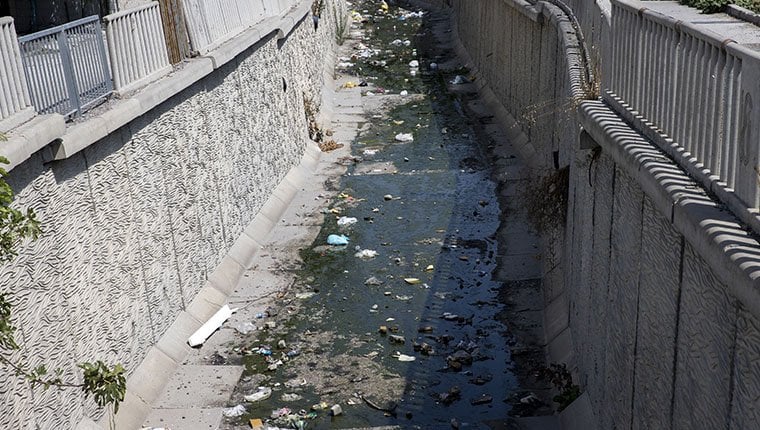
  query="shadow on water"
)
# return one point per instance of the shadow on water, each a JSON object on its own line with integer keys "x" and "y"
{"x": 438, "y": 208}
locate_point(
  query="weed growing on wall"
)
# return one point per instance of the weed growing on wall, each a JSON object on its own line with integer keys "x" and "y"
{"x": 107, "y": 385}
{"x": 562, "y": 380}
{"x": 545, "y": 199}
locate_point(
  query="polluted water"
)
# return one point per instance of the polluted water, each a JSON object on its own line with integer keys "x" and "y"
{"x": 401, "y": 320}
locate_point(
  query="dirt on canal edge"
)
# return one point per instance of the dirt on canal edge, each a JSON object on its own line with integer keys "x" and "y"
{"x": 442, "y": 328}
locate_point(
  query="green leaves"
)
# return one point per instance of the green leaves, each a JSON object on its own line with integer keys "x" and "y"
{"x": 106, "y": 385}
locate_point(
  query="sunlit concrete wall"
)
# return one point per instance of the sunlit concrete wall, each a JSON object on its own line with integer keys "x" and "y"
{"x": 134, "y": 224}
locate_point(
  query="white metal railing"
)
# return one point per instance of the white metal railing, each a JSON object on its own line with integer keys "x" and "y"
{"x": 694, "y": 87}
{"x": 212, "y": 22}
{"x": 136, "y": 46}
{"x": 66, "y": 67}
{"x": 14, "y": 94}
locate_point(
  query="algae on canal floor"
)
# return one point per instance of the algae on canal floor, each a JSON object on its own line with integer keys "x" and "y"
{"x": 437, "y": 219}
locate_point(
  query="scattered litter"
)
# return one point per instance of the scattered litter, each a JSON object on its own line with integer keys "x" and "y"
{"x": 369, "y": 152}
{"x": 412, "y": 281}
{"x": 346, "y": 220}
{"x": 405, "y": 137}
{"x": 404, "y": 93}
{"x": 234, "y": 411}
{"x": 383, "y": 329}
{"x": 448, "y": 316}
{"x": 404, "y": 298}
{"x": 414, "y": 63}
{"x": 459, "y": 80}
{"x": 305, "y": 295}
{"x": 270, "y": 324}
{"x": 282, "y": 344}
{"x": 345, "y": 65}
{"x": 405, "y": 358}
{"x": 290, "y": 397}
{"x": 450, "y": 396}
{"x": 336, "y": 410}
{"x": 262, "y": 393}
{"x": 274, "y": 366}
{"x": 321, "y": 406}
{"x": 433, "y": 66}
{"x": 482, "y": 400}
{"x": 530, "y": 398}
{"x": 337, "y": 240}
{"x": 245, "y": 327}
{"x": 397, "y": 42}
{"x": 398, "y": 122}
{"x": 210, "y": 326}
{"x": 397, "y": 339}
{"x": 373, "y": 281}
{"x": 429, "y": 268}
{"x": 388, "y": 197}
{"x": 366, "y": 254}
{"x": 349, "y": 84}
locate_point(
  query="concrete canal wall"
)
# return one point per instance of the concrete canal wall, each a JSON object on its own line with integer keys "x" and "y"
{"x": 141, "y": 229}
{"x": 654, "y": 303}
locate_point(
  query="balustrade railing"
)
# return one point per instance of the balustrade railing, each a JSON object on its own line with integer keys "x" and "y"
{"x": 14, "y": 95}
{"x": 136, "y": 46}
{"x": 692, "y": 87}
{"x": 66, "y": 67}
{"x": 212, "y": 22}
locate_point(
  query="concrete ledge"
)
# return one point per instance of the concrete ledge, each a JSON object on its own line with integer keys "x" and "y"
{"x": 717, "y": 234}
{"x": 229, "y": 271}
{"x": 132, "y": 413}
{"x": 31, "y": 137}
{"x": 151, "y": 377}
{"x": 206, "y": 302}
{"x": 174, "y": 342}
{"x": 17, "y": 119}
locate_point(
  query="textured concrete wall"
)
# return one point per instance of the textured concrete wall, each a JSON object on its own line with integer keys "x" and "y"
{"x": 134, "y": 223}
{"x": 660, "y": 336}
{"x": 521, "y": 54}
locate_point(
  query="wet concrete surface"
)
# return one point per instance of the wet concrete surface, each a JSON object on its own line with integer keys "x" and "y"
{"x": 455, "y": 283}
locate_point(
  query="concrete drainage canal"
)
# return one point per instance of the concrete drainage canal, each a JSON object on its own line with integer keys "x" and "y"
{"x": 430, "y": 316}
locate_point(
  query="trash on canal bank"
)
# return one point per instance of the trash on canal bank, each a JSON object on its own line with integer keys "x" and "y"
{"x": 405, "y": 137}
{"x": 234, "y": 411}
{"x": 459, "y": 80}
{"x": 210, "y": 326}
{"x": 404, "y": 93}
{"x": 366, "y": 254}
{"x": 405, "y": 358}
{"x": 257, "y": 424}
{"x": 336, "y": 410}
{"x": 262, "y": 393}
{"x": 373, "y": 281}
{"x": 414, "y": 64}
{"x": 346, "y": 220}
{"x": 337, "y": 240}
{"x": 412, "y": 281}
{"x": 245, "y": 327}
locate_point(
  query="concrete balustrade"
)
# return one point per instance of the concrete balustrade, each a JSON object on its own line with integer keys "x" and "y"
{"x": 212, "y": 22}
{"x": 15, "y": 103}
{"x": 136, "y": 46}
{"x": 696, "y": 89}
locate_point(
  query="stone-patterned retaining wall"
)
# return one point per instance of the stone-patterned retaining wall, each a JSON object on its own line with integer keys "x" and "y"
{"x": 134, "y": 224}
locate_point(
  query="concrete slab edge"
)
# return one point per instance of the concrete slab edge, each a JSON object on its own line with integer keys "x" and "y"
{"x": 30, "y": 137}
{"x": 716, "y": 234}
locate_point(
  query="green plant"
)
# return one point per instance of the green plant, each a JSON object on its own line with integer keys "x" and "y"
{"x": 106, "y": 384}
{"x": 562, "y": 380}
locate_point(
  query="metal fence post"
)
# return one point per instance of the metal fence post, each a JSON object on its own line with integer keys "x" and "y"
{"x": 68, "y": 70}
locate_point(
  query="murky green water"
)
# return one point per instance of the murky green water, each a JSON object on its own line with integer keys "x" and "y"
{"x": 443, "y": 213}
